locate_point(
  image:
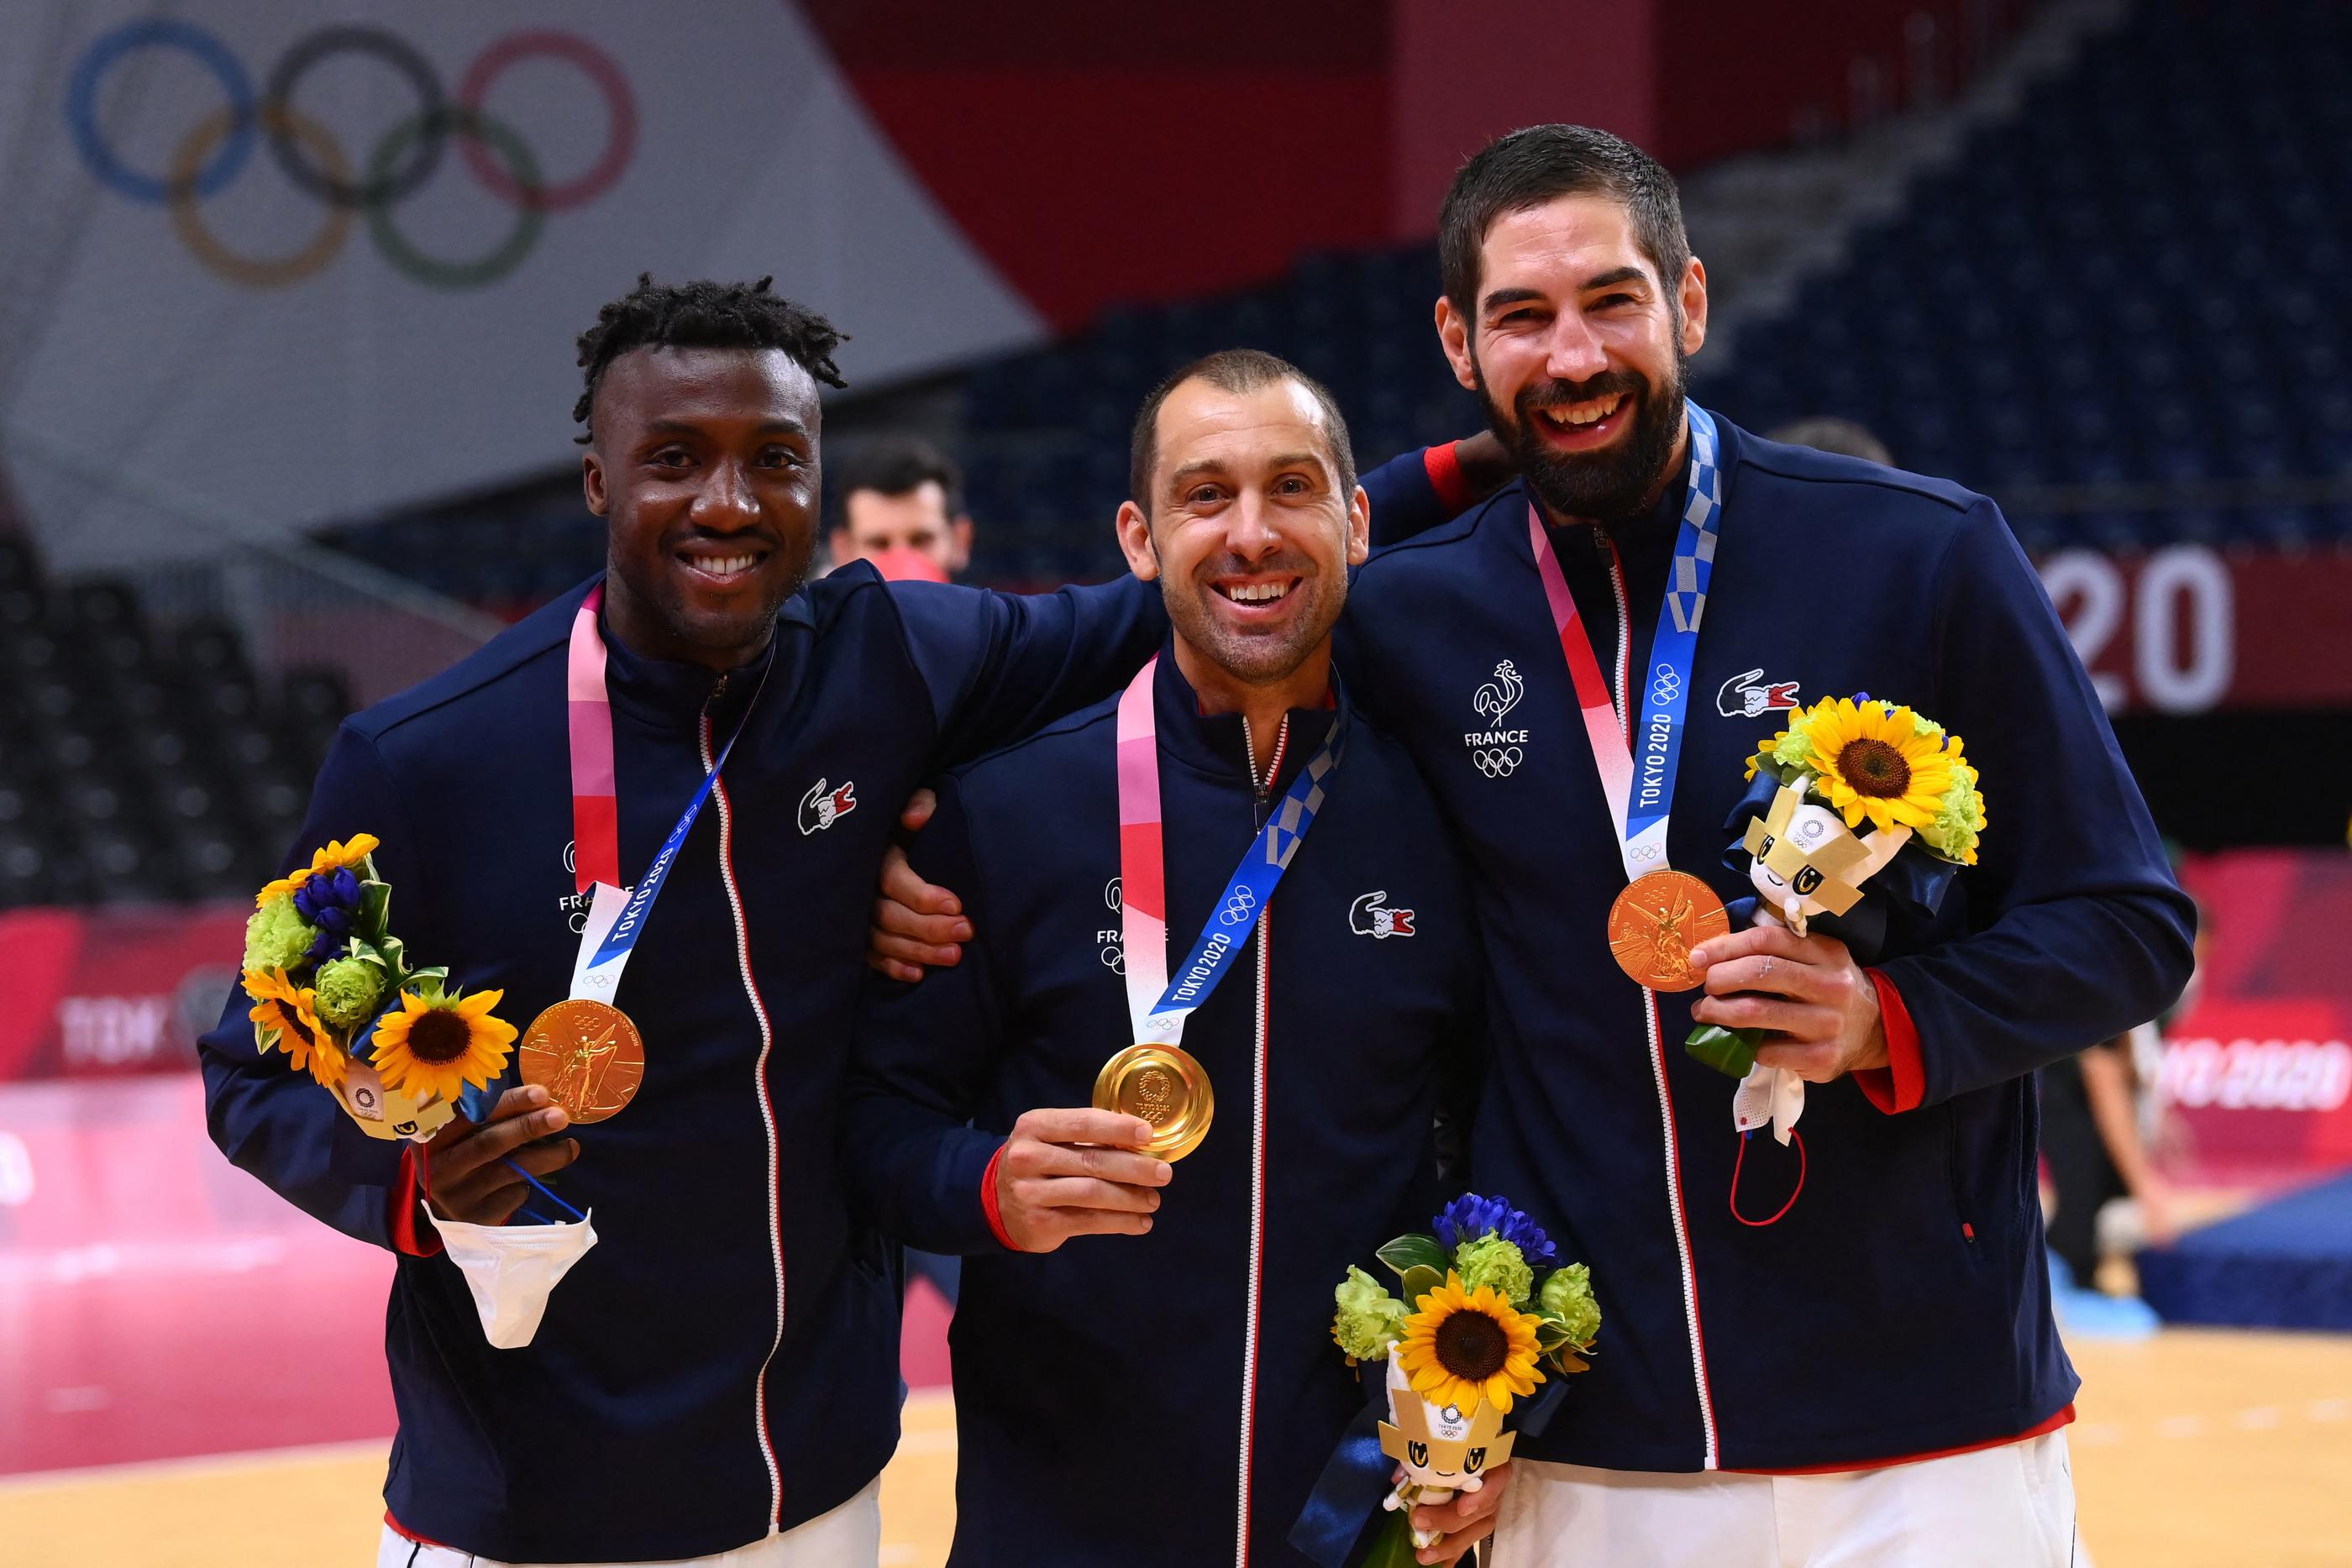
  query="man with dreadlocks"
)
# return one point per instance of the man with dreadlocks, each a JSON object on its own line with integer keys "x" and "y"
{"x": 719, "y": 1374}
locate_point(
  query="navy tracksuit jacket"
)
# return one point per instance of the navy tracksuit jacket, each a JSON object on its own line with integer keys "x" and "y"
{"x": 725, "y": 1359}
{"x": 1902, "y": 1306}
{"x": 1150, "y": 1401}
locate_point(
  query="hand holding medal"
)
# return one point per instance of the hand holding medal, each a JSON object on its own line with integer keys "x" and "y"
{"x": 1155, "y": 1078}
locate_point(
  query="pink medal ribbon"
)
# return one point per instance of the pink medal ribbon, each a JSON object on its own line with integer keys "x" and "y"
{"x": 595, "y": 805}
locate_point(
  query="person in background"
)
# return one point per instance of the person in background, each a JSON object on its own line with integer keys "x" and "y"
{"x": 2090, "y": 1141}
{"x": 1828, "y": 433}
{"x": 902, "y": 509}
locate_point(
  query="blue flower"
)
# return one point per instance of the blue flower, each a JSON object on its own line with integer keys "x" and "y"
{"x": 331, "y": 903}
{"x": 1470, "y": 1216}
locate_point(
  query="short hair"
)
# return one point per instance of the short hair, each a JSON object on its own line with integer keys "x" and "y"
{"x": 1233, "y": 371}
{"x": 705, "y": 315}
{"x": 1541, "y": 163}
{"x": 1828, "y": 433}
{"x": 900, "y": 466}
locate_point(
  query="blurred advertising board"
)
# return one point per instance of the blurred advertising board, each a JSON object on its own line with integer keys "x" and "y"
{"x": 102, "y": 993}
{"x": 2258, "y": 1069}
{"x": 2187, "y": 630}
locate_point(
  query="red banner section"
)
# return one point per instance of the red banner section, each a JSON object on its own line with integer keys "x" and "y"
{"x": 2186, "y": 629}
{"x": 2259, "y": 1068}
{"x": 98, "y": 993}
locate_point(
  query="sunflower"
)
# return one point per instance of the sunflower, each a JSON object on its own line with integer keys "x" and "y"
{"x": 339, "y": 856}
{"x": 1462, "y": 1346}
{"x": 438, "y": 1047}
{"x": 286, "y": 1017}
{"x": 283, "y": 884}
{"x": 1874, "y": 760}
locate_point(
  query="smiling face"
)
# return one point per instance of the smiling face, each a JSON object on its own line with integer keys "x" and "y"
{"x": 704, "y": 464}
{"x": 1577, "y": 348}
{"x": 1250, "y": 533}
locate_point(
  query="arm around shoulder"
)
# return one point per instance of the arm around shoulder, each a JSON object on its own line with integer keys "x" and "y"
{"x": 920, "y": 1061}
{"x": 999, "y": 666}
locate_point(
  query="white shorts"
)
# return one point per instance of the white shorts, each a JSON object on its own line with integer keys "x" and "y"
{"x": 849, "y": 1536}
{"x": 2012, "y": 1505}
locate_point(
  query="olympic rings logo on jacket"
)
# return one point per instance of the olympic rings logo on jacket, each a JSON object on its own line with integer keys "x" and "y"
{"x": 216, "y": 148}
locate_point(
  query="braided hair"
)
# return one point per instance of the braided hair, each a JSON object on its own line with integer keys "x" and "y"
{"x": 705, "y": 315}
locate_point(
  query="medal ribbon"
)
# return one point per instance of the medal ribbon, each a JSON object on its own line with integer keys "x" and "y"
{"x": 1639, "y": 780}
{"x": 1157, "y": 1007}
{"x": 616, "y": 918}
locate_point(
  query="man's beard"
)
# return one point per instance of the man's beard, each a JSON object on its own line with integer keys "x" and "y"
{"x": 1253, "y": 658}
{"x": 1600, "y": 487}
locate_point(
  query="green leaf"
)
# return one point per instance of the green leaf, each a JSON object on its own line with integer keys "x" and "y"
{"x": 1552, "y": 1333}
{"x": 429, "y": 984}
{"x": 1408, "y": 1252}
{"x": 375, "y": 910}
{"x": 1418, "y": 1281}
{"x": 1392, "y": 1544}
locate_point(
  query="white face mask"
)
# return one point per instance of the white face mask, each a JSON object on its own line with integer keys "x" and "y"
{"x": 513, "y": 1268}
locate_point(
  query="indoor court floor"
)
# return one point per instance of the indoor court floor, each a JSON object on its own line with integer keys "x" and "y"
{"x": 2195, "y": 1450}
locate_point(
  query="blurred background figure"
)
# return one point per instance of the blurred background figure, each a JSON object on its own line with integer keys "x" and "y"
{"x": 2105, "y": 1196}
{"x": 902, "y": 509}
{"x": 286, "y": 293}
{"x": 1827, "y": 433}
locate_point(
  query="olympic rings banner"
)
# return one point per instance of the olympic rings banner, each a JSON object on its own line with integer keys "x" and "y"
{"x": 270, "y": 264}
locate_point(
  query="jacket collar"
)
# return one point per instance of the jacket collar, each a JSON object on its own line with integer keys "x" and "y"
{"x": 669, "y": 695}
{"x": 1216, "y": 743}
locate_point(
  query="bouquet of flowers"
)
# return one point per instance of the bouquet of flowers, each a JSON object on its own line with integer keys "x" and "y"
{"x": 328, "y": 981}
{"x": 1840, "y": 764}
{"x": 1492, "y": 1307}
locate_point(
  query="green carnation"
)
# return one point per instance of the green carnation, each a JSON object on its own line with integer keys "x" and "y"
{"x": 348, "y": 990}
{"x": 1567, "y": 1296}
{"x": 1369, "y": 1320}
{"x": 277, "y": 937}
{"x": 1793, "y": 747}
{"x": 1959, "y": 818}
{"x": 1922, "y": 725}
{"x": 1491, "y": 1261}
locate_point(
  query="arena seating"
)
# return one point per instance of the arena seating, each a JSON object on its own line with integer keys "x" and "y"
{"x": 140, "y": 764}
{"x": 2128, "y": 286}
{"x": 2135, "y": 281}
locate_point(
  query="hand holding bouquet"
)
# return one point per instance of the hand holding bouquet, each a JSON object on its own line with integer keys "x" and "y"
{"x": 1841, "y": 765}
{"x": 1491, "y": 1309}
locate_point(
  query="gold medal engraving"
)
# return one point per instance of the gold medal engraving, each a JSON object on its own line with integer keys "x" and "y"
{"x": 588, "y": 1057}
{"x": 1656, "y": 922}
{"x": 1167, "y": 1088}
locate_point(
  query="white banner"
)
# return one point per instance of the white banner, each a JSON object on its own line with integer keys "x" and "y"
{"x": 267, "y": 264}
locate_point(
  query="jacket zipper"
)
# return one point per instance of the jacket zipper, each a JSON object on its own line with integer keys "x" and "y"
{"x": 767, "y": 1111}
{"x": 1262, "y": 792}
{"x": 1622, "y": 670}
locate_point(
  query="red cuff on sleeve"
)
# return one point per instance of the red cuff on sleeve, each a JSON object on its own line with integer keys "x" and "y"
{"x": 1444, "y": 467}
{"x": 988, "y": 1200}
{"x": 405, "y": 1238}
{"x": 1901, "y": 1085}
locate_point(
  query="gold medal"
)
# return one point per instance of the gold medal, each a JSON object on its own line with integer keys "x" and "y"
{"x": 1656, "y": 922}
{"x": 1164, "y": 1086}
{"x": 588, "y": 1057}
